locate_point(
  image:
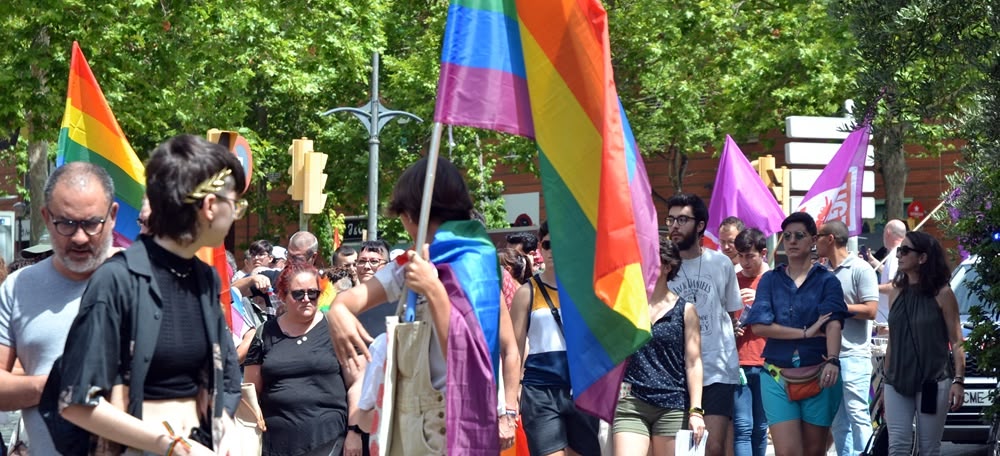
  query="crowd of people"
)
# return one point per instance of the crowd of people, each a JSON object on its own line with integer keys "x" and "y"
{"x": 128, "y": 351}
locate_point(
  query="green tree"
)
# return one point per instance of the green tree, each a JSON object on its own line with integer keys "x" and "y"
{"x": 973, "y": 217}
{"x": 693, "y": 72}
{"x": 920, "y": 70}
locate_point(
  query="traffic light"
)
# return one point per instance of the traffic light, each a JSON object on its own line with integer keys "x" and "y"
{"x": 315, "y": 183}
{"x": 298, "y": 152}
{"x": 776, "y": 179}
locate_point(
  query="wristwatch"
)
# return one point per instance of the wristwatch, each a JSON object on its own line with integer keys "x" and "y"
{"x": 355, "y": 428}
{"x": 835, "y": 361}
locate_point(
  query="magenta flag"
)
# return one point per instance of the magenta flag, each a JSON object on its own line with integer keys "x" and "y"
{"x": 739, "y": 191}
{"x": 836, "y": 194}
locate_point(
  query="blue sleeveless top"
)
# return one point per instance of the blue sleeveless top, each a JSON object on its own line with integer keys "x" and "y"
{"x": 657, "y": 371}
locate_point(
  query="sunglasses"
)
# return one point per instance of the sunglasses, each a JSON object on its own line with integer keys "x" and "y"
{"x": 795, "y": 235}
{"x": 905, "y": 250}
{"x": 311, "y": 293}
{"x": 547, "y": 245}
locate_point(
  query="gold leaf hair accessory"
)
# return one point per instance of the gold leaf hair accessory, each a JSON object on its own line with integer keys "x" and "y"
{"x": 209, "y": 186}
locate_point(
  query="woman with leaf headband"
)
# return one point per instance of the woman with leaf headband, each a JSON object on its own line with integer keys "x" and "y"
{"x": 148, "y": 362}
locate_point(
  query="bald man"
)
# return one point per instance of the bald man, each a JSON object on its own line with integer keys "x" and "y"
{"x": 892, "y": 236}
{"x": 303, "y": 246}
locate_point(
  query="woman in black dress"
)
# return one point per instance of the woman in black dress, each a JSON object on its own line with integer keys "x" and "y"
{"x": 300, "y": 383}
{"x": 150, "y": 344}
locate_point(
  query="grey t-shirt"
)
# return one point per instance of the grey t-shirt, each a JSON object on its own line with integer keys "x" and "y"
{"x": 37, "y": 307}
{"x": 860, "y": 284}
{"x": 709, "y": 282}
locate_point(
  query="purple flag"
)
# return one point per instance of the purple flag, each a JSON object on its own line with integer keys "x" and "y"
{"x": 739, "y": 191}
{"x": 836, "y": 194}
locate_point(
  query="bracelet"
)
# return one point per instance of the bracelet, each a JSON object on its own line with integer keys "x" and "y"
{"x": 804, "y": 336}
{"x": 958, "y": 381}
{"x": 355, "y": 428}
{"x": 173, "y": 445}
{"x": 510, "y": 412}
{"x": 696, "y": 411}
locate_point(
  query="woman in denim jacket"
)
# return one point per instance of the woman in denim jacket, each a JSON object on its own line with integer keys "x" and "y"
{"x": 799, "y": 308}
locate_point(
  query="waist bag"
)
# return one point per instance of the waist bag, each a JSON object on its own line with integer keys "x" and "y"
{"x": 800, "y": 382}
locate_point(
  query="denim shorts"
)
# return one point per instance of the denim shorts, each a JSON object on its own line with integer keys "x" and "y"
{"x": 818, "y": 410}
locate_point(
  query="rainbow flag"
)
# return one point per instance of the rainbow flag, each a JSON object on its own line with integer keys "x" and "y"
{"x": 90, "y": 133}
{"x": 604, "y": 236}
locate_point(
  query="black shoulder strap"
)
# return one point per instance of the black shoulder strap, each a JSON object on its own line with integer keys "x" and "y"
{"x": 548, "y": 300}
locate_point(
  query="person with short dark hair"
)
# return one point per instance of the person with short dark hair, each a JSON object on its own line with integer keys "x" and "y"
{"x": 159, "y": 299}
{"x": 799, "y": 307}
{"x": 921, "y": 377}
{"x": 749, "y": 419}
{"x": 663, "y": 378}
{"x": 707, "y": 280}
{"x": 460, "y": 247}
{"x": 728, "y": 229}
{"x": 527, "y": 243}
{"x": 852, "y": 427}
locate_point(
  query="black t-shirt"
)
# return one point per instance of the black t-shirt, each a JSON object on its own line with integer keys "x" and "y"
{"x": 182, "y": 349}
{"x": 304, "y": 399}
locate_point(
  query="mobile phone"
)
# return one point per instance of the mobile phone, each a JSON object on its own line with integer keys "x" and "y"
{"x": 866, "y": 252}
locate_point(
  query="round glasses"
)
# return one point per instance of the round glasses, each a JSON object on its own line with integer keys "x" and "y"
{"x": 239, "y": 205}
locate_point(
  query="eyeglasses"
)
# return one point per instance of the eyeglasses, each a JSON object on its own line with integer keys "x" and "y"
{"x": 141, "y": 221}
{"x": 681, "y": 220}
{"x": 795, "y": 235}
{"x": 91, "y": 227}
{"x": 262, "y": 255}
{"x": 905, "y": 250}
{"x": 547, "y": 245}
{"x": 370, "y": 262}
{"x": 239, "y": 205}
{"x": 299, "y": 295}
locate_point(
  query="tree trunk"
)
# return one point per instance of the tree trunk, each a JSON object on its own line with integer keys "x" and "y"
{"x": 891, "y": 160}
{"x": 38, "y": 172}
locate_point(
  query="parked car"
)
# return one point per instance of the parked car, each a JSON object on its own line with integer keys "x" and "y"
{"x": 967, "y": 424}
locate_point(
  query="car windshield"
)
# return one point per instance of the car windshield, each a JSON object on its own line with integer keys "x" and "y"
{"x": 960, "y": 281}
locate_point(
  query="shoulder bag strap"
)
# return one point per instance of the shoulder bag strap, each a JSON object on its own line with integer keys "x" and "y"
{"x": 548, "y": 300}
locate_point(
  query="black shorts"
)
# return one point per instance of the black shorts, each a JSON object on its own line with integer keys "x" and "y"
{"x": 717, "y": 399}
{"x": 552, "y": 422}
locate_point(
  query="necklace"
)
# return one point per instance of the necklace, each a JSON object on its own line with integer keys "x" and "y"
{"x": 178, "y": 274}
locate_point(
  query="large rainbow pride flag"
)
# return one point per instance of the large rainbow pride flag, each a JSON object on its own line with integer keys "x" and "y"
{"x": 90, "y": 133}
{"x": 543, "y": 70}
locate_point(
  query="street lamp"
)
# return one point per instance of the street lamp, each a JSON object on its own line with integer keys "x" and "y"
{"x": 374, "y": 115}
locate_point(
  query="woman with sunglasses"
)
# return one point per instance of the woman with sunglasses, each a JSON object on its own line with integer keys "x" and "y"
{"x": 923, "y": 317}
{"x": 800, "y": 309}
{"x": 298, "y": 379}
{"x": 149, "y": 362}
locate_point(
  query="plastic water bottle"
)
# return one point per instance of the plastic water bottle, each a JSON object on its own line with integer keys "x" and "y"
{"x": 796, "y": 361}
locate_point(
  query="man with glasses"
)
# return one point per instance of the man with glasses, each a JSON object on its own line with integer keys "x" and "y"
{"x": 852, "y": 425}
{"x": 707, "y": 279}
{"x": 728, "y": 229}
{"x": 38, "y": 304}
{"x": 373, "y": 256}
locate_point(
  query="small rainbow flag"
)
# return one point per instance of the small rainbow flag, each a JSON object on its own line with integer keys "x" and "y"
{"x": 604, "y": 236}
{"x": 90, "y": 133}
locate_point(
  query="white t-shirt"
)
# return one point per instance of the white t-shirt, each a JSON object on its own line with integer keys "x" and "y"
{"x": 392, "y": 280}
{"x": 709, "y": 282}
{"x": 888, "y": 273}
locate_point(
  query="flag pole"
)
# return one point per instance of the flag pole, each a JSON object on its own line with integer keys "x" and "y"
{"x": 425, "y": 213}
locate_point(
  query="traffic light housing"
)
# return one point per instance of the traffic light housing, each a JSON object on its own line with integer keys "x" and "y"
{"x": 776, "y": 179}
{"x": 298, "y": 151}
{"x": 314, "y": 183}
